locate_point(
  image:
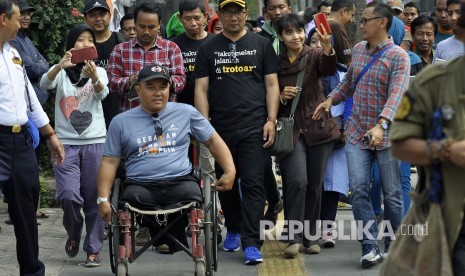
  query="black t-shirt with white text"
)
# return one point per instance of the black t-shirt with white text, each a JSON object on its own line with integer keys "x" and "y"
{"x": 111, "y": 103}
{"x": 189, "y": 48}
{"x": 236, "y": 71}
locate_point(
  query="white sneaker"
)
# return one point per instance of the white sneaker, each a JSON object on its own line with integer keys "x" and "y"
{"x": 371, "y": 258}
{"x": 328, "y": 240}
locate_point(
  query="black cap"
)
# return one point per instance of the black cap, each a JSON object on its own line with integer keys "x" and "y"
{"x": 153, "y": 71}
{"x": 241, "y": 3}
{"x": 24, "y": 6}
{"x": 95, "y": 4}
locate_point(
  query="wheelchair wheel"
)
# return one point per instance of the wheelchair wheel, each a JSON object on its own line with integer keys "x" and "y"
{"x": 122, "y": 268}
{"x": 199, "y": 267}
{"x": 114, "y": 241}
{"x": 210, "y": 228}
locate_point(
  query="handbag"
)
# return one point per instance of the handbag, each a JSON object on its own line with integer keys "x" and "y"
{"x": 283, "y": 141}
{"x": 339, "y": 142}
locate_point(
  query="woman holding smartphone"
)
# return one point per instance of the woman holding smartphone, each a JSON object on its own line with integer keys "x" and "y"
{"x": 80, "y": 125}
{"x": 304, "y": 168}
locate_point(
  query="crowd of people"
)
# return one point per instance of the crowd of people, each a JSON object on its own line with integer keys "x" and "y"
{"x": 224, "y": 80}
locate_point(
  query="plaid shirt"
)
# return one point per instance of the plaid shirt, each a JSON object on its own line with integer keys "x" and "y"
{"x": 129, "y": 57}
{"x": 379, "y": 91}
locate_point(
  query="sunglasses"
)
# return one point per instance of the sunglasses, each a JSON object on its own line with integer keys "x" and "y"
{"x": 158, "y": 127}
{"x": 232, "y": 49}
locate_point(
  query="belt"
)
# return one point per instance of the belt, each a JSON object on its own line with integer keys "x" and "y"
{"x": 13, "y": 128}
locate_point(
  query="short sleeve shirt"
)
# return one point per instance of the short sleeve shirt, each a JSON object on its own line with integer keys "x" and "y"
{"x": 189, "y": 48}
{"x": 149, "y": 157}
{"x": 236, "y": 71}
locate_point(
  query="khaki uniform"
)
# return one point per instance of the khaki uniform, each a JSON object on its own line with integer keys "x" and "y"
{"x": 442, "y": 86}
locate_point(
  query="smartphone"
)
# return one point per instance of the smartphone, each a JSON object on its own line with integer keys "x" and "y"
{"x": 80, "y": 55}
{"x": 321, "y": 18}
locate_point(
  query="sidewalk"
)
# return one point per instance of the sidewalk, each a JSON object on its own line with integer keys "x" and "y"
{"x": 341, "y": 260}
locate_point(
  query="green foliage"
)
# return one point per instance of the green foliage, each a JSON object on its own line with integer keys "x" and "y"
{"x": 50, "y": 24}
{"x": 44, "y": 191}
{"x": 48, "y": 29}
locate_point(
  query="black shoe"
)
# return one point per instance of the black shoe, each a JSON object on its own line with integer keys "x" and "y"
{"x": 72, "y": 248}
{"x": 273, "y": 211}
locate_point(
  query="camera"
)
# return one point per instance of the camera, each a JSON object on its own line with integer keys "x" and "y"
{"x": 367, "y": 139}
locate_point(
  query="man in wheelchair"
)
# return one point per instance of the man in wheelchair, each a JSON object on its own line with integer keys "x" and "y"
{"x": 153, "y": 139}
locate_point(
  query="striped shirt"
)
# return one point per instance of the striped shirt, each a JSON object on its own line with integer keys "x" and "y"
{"x": 379, "y": 91}
{"x": 128, "y": 58}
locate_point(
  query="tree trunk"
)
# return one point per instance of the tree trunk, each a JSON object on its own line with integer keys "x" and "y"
{"x": 353, "y": 29}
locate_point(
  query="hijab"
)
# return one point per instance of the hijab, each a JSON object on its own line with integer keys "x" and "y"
{"x": 74, "y": 73}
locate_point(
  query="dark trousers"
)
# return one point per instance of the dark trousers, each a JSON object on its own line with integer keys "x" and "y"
{"x": 19, "y": 176}
{"x": 303, "y": 172}
{"x": 243, "y": 206}
{"x": 164, "y": 195}
{"x": 329, "y": 201}
{"x": 271, "y": 188}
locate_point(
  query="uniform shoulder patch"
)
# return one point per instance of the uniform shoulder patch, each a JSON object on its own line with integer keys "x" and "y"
{"x": 404, "y": 109}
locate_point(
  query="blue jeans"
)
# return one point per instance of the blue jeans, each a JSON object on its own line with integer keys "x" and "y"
{"x": 375, "y": 193}
{"x": 359, "y": 164}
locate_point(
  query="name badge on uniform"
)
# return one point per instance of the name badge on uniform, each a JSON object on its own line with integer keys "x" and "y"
{"x": 17, "y": 61}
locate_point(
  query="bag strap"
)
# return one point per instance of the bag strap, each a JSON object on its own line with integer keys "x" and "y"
{"x": 300, "y": 79}
{"x": 368, "y": 66}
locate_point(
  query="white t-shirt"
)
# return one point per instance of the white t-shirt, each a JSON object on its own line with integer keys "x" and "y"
{"x": 449, "y": 49}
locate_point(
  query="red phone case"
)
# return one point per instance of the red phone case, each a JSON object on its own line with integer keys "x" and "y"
{"x": 320, "y": 18}
{"x": 80, "y": 55}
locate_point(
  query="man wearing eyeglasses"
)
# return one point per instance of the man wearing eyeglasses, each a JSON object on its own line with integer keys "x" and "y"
{"x": 127, "y": 26}
{"x": 236, "y": 86}
{"x": 154, "y": 138}
{"x": 376, "y": 98}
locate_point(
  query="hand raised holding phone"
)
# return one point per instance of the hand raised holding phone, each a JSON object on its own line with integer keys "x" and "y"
{"x": 324, "y": 33}
{"x": 81, "y": 55}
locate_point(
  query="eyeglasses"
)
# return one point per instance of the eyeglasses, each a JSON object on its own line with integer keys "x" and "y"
{"x": 158, "y": 127}
{"x": 128, "y": 29}
{"x": 230, "y": 14}
{"x": 232, "y": 49}
{"x": 365, "y": 20}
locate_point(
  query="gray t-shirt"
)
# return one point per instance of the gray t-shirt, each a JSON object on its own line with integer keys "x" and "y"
{"x": 449, "y": 49}
{"x": 149, "y": 158}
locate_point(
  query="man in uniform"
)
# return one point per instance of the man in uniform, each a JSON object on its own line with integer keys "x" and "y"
{"x": 439, "y": 87}
{"x": 19, "y": 174}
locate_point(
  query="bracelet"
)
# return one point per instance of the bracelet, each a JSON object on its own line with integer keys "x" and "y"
{"x": 96, "y": 83}
{"x": 271, "y": 119}
{"x": 49, "y": 135}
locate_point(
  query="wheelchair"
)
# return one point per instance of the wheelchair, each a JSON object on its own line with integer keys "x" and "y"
{"x": 202, "y": 217}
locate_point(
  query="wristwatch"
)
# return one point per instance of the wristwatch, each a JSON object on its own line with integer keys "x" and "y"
{"x": 384, "y": 125}
{"x": 101, "y": 199}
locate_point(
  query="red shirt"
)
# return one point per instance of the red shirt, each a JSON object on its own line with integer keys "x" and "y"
{"x": 128, "y": 58}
